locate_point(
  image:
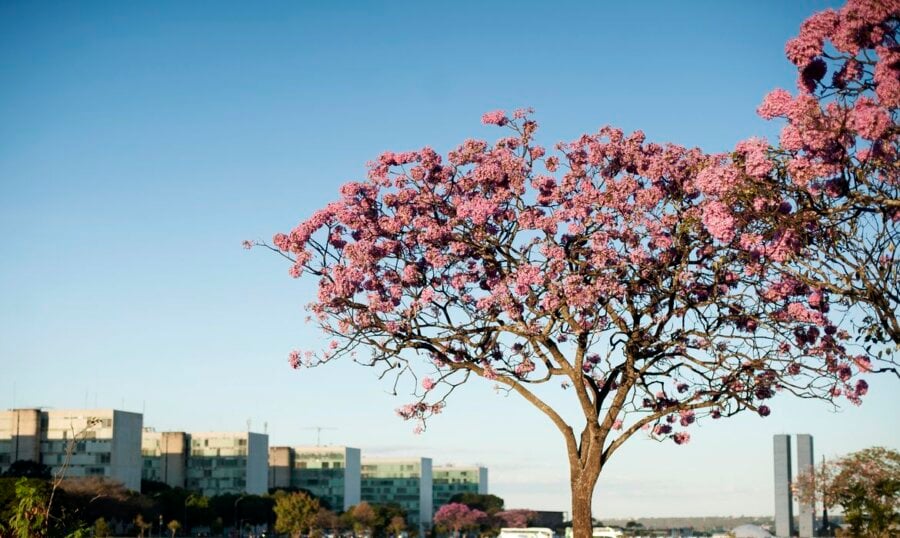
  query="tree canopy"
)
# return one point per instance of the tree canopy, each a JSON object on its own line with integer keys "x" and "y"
{"x": 657, "y": 284}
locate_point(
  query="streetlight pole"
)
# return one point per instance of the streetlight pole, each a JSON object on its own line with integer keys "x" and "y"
{"x": 240, "y": 529}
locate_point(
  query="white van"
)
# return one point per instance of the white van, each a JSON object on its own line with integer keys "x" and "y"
{"x": 529, "y": 532}
{"x": 601, "y": 532}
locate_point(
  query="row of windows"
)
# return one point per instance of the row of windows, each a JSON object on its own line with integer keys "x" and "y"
{"x": 323, "y": 465}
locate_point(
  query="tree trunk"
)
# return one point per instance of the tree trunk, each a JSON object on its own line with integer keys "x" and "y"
{"x": 583, "y": 483}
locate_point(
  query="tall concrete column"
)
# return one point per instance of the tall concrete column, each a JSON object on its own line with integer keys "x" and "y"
{"x": 784, "y": 508}
{"x": 807, "y": 515}
{"x": 174, "y": 449}
{"x": 281, "y": 463}
{"x": 26, "y": 435}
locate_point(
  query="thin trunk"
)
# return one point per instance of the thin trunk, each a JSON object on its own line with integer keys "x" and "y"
{"x": 585, "y": 470}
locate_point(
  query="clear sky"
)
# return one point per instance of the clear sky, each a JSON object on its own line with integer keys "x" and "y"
{"x": 140, "y": 142}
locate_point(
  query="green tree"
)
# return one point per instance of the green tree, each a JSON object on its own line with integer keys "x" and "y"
{"x": 27, "y": 469}
{"x": 384, "y": 514}
{"x": 396, "y": 526}
{"x": 30, "y": 516}
{"x": 866, "y": 484}
{"x": 363, "y": 518}
{"x": 327, "y": 520}
{"x": 489, "y": 504}
{"x": 295, "y": 513}
{"x": 101, "y": 528}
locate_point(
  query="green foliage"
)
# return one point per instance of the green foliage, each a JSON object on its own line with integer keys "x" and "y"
{"x": 868, "y": 488}
{"x": 30, "y": 516}
{"x": 361, "y": 517}
{"x": 295, "y": 513}
{"x": 385, "y": 514}
{"x": 489, "y": 504}
{"x": 101, "y": 528}
{"x": 866, "y": 484}
{"x": 27, "y": 469}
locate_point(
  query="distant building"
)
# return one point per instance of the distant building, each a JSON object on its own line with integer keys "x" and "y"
{"x": 212, "y": 463}
{"x": 108, "y": 441}
{"x": 450, "y": 480}
{"x": 407, "y": 482}
{"x": 165, "y": 456}
{"x": 599, "y": 532}
{"x": 330, "y": 473}
{"x": 806, "y": 519}
{"x": 548, "y": 518}
{"x": 784, "y": 506}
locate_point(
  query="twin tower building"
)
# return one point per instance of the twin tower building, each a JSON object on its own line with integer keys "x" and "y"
{"x": 114, "y": 444}
{"x": 784, "y": 495}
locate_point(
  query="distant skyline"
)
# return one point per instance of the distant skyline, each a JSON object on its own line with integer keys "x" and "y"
{"x": 142, "y": 142}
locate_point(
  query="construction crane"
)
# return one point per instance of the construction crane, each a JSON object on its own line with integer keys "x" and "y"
{"x": 318, "y": 432}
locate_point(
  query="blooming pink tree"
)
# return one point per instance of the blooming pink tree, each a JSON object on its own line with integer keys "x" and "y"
{"x": 655, "y": 284}
{"x": 456, "y": 517}
{"x": 834, "y": 175}
{"x": 516, "y": 519}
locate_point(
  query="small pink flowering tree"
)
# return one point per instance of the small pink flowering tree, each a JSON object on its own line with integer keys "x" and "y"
{"x": 656, "y": 284}
{"x": 515, "y": 519}
{"x": 456, "y": 517}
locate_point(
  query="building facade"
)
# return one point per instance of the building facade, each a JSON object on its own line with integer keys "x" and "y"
{"x": 784, "y": 507}
{"x": 407, "y": 482}
{"x": 165, "y": 457}
{"x": 87, "y": 442}
{"x": 331, "y": 473}
{"x": 212, "y": 463}
{"x": 450, "y": 480}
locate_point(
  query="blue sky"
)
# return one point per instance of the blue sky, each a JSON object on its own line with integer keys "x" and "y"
{"x": 141, "y": 142}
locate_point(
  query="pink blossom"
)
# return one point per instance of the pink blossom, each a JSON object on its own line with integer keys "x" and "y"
{"x": 294, "y": 359}
{"x": 869, "y": 119}
{"x": 764, "y": 411}
{"x": 756, "y": 160}
{"x": 617, "y": 424}
{"x": 497, "y": 117}
{"x": 777, "y": 103}
{"x": 863, "y": 363}
{"x": 681, "y": 438}
{"x": 428, "y": 383}
{"x": 719, "y": 221}
{"x": 524, "y": 367}
{"x": 800, "y": 313}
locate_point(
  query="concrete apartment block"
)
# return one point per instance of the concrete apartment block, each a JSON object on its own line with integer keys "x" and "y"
{"x": 784, "y": 508}
{"x": 228, "y": 462}
{"x": 20, "y": 436}
{"x": 108, "y": 441}
{"x": 807, "y": 517}
{"x": 405, "y": 481}
{"x": 332, "y": 473}
{"x": 450, "y": 480}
